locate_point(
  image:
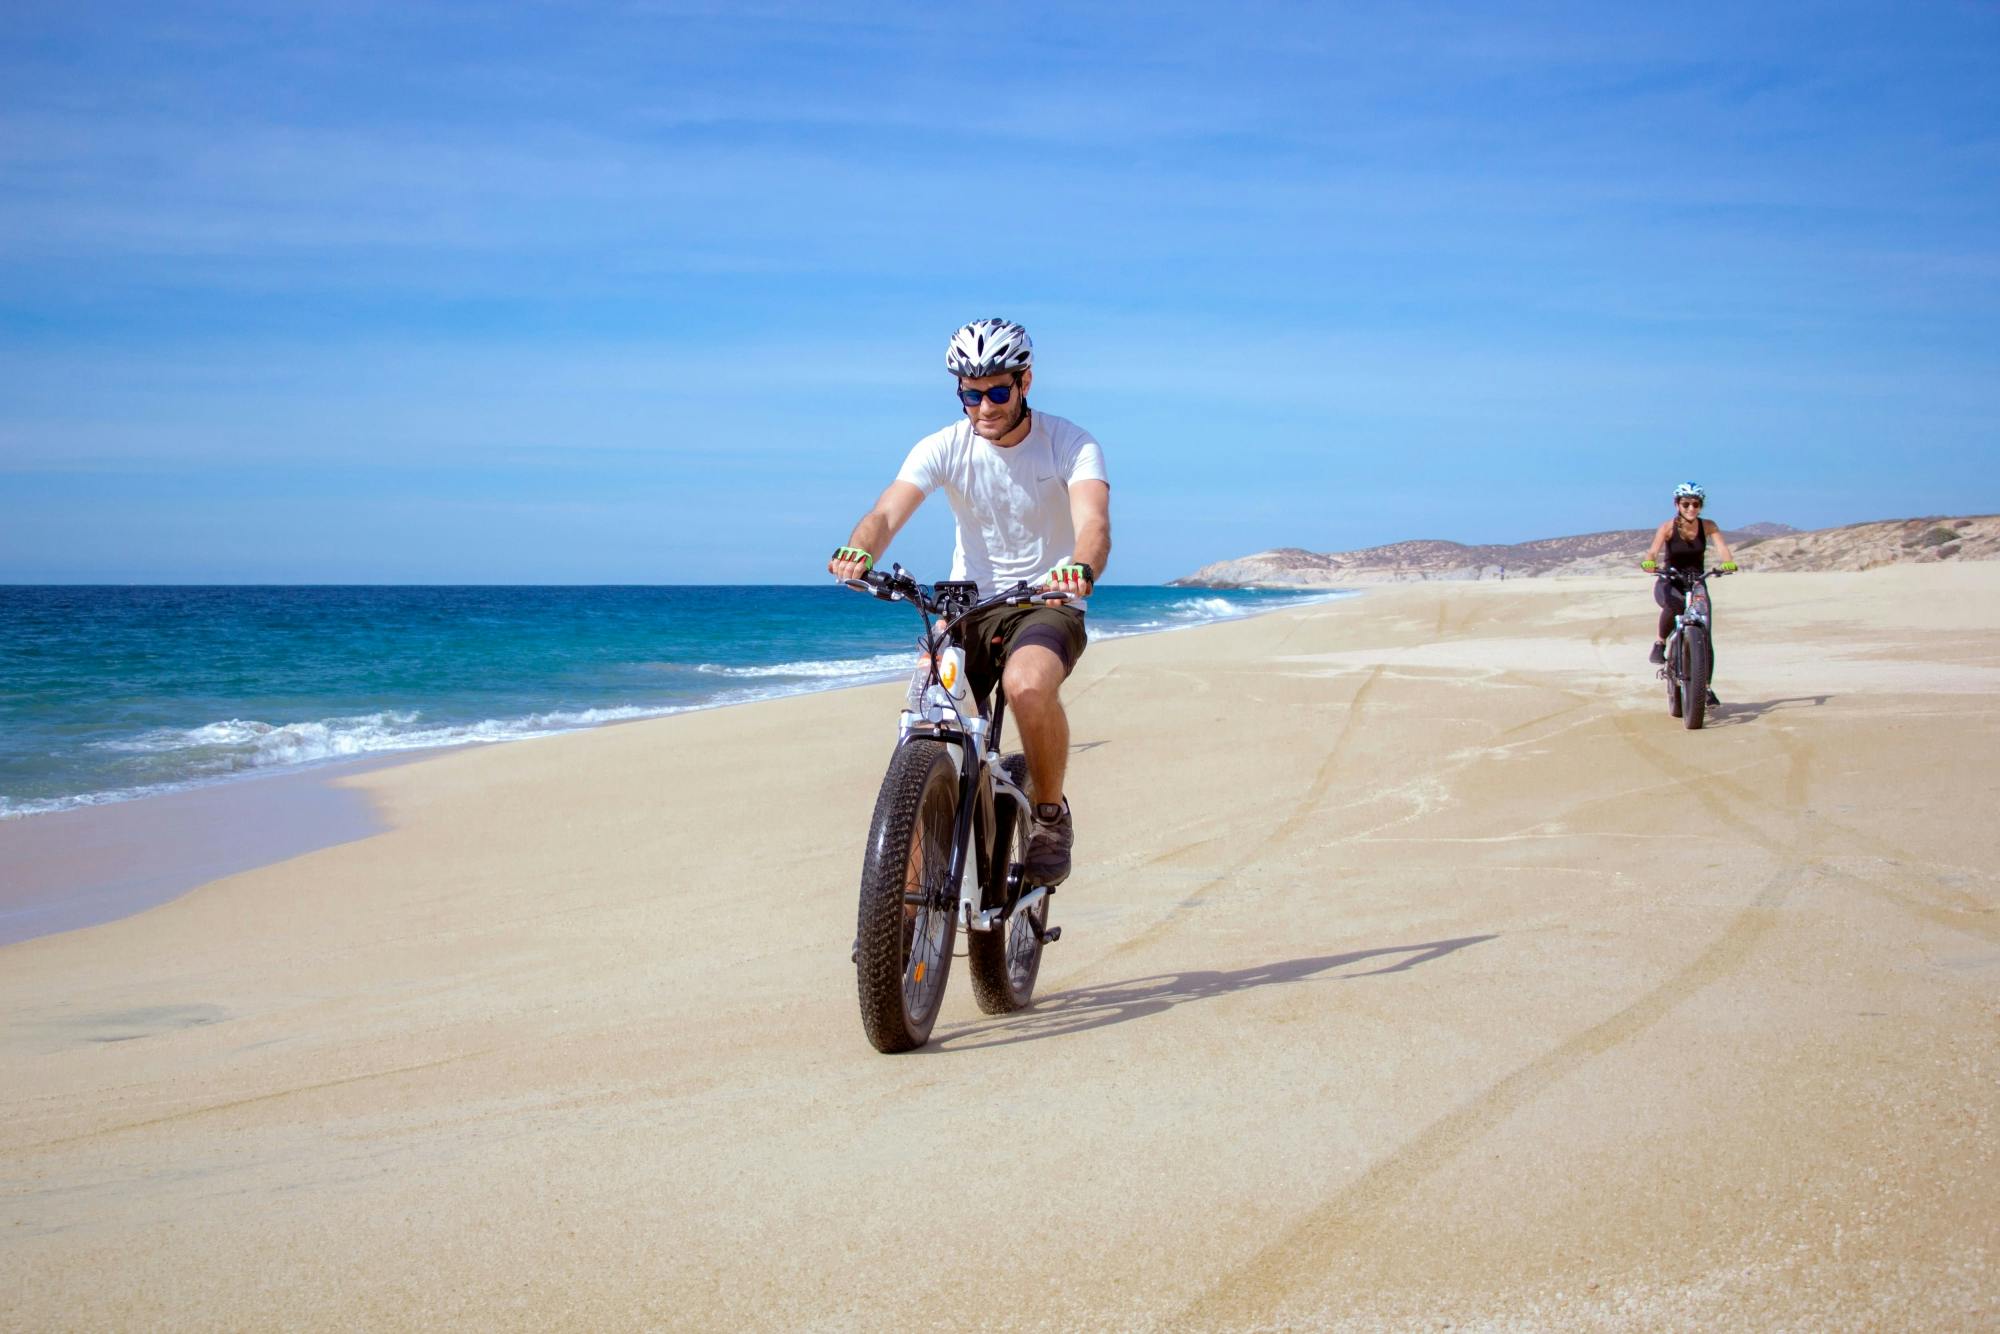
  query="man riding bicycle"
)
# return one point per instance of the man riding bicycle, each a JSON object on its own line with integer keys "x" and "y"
{"x": 1033, "y": 503}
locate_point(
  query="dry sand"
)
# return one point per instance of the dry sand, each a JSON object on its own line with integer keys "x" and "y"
{"x": 1418, "y": 969}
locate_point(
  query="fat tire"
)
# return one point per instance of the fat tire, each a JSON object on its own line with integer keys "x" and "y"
{"x": 915, "y": 810}
{"x": 1695, "y": 681}
{"x": 1673, "y": 676}
{"x": 1005, "y": 961}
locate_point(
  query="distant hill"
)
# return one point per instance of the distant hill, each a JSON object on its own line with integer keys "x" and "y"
{"x": 1763, "y": 546}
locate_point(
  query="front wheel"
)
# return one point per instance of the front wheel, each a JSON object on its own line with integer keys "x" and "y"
{"x": 1005, "y": 961}
{"x": 1672, "y": 675}
{"x": 1694, "y": 681}
{"x": 909, "y": 910}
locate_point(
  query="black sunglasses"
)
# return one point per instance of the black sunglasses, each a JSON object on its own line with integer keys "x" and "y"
{"x": 999, "y": 393}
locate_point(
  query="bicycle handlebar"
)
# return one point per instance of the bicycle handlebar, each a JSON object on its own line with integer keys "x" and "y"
{"x": 898, "y": 583}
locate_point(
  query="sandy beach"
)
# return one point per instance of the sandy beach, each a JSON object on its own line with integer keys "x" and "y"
{"x": 1418, "y": 970}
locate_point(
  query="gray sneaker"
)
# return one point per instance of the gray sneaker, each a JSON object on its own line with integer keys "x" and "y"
{"x": 1658, "y": 656}
{"x": 1048, "y": 845}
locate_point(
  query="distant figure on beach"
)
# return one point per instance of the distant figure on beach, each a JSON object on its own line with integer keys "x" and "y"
{"x": 1033, "y": 503}
{"x": 1684, "y": 539}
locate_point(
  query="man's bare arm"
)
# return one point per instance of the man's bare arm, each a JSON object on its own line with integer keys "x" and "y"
{"x": 878, "y": 528}
{"x": 1090, "y": 512}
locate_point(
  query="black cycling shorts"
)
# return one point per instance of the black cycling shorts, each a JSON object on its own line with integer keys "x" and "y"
{"x": 992, "y": 634}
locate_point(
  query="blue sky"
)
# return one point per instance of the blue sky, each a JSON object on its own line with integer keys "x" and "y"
{"x": 659, "y": 292}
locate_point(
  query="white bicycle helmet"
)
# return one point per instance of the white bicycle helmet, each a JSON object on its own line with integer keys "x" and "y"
{"x": 989, "y": 347}
{"x": 1687, "y": 489}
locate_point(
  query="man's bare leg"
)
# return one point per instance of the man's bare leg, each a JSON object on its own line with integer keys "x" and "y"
{"x": 1033, "y": 680}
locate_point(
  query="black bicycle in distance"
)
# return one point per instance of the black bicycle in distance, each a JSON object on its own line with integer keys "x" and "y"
{"x": 949, "y": 802}
{"x": 1690, "y": 649}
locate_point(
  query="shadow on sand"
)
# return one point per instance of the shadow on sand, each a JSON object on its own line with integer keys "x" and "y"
{"x": 1730, "y": 715}
{"x": 1082, "y": 1008}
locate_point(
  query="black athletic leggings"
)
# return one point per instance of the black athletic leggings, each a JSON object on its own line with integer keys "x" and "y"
{"x": 1672, "y": 603}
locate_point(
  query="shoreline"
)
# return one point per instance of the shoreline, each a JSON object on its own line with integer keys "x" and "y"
{"x": 91, "y": 865}
{"x": 114, "y": 856}
{"x": 96, "y": 800}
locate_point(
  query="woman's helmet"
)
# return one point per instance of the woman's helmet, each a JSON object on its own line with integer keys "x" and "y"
{"x": 989, "y": 347}
{"x": 1689, "y": 489}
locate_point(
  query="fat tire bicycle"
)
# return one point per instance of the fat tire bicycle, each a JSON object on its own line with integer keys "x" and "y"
{"x": 1690, "y": 650}
{"x": 948, "y": 803}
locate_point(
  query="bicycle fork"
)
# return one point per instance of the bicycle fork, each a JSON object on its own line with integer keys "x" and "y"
{"x": 1675, "y": 669}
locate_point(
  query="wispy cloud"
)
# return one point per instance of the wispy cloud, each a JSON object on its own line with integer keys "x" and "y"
{"x": 710, "y": 250}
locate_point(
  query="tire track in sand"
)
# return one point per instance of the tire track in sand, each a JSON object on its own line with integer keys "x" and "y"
{"x": 1307, "y": 1253}
{"x": 1256, "y": 1290}
{"x": 1302, "y": 807}
{"x": 1348, "y": 1222}
{"x": 1814, "y": 828}
{"x": 188, "y": 1113}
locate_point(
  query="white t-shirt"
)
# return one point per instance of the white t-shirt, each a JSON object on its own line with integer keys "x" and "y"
{"x": 1012, "y": 503}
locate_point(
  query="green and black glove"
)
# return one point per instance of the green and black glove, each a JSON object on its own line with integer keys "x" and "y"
{"x": 1071, "y": 570}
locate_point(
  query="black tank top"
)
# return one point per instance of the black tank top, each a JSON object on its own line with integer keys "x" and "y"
{"x": 1686, "y": 553}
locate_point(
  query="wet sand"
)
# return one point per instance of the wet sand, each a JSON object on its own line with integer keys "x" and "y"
{"x": 69, "y": 869}
{"x": 1418, "y": 969}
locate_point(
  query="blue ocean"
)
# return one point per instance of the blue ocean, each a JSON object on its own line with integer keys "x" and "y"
{"x": 111, "y": 693}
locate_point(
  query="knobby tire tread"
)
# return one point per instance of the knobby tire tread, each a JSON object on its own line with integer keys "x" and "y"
{"x": 986, "y": 951}
{"x": 898, "y": 819}
{"x": 1673, "y": 676}
{"x": 1695, "y": 710}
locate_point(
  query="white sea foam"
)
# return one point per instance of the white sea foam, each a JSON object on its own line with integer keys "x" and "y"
{"x": 11, "y": 809}
{"x": 239, "y": 747}
{"x": 1191, "y": 612}
{"x": 1208, "y": 609}
{"x": 879, "y": 666}
{"x": 239, "y": 743}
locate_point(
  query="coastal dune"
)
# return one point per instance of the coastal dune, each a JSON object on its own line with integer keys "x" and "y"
{"x": 1417, "y": 968}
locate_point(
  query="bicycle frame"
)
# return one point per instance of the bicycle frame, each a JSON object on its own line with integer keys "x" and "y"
{"x": 1694, "y": 588}
{"x": 933, "y": 712}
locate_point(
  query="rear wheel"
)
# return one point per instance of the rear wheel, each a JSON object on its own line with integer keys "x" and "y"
{"x": 1694, "y": 681}
{"x": 909, "y": 910}
{"x": 1005, "y": 961}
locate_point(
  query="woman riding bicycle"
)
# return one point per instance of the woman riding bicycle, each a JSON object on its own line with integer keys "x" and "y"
{"x": 1684, "y": 539}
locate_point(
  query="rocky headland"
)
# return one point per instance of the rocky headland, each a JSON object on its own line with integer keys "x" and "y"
{"x": 1762, "y": 546}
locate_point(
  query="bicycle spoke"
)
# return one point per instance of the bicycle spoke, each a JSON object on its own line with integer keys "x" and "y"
{"x": 931, "y": 863}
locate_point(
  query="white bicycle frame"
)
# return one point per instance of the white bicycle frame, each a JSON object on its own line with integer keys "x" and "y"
{"x": 933, "y": 712}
